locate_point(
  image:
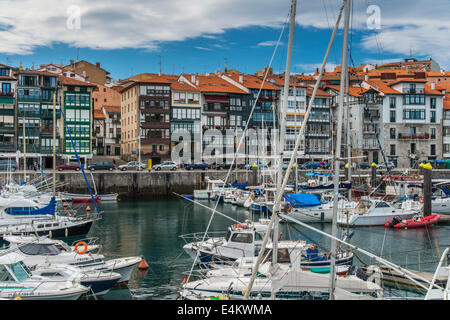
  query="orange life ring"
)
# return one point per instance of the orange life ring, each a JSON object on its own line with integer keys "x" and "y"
{"x": 289, "y": 207}
{"x": 421, "y": 199}
{"x": 81, "y": 243}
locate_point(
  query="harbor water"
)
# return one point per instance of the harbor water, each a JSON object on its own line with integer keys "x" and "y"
{"x": 152, "y": 229}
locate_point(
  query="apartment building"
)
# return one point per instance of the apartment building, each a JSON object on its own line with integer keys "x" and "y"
{"x": 92, "y": 72}
{"x": 145, "y": 113}
{"x": 411, "y": 118}
{"x": 365, "y": 122}
{"x": 107, "y": 131}
{"x": 186, "y": 114}
{"x": 35, "y": 91}
{"x": 8, "y": 125}
{"x": 77, "y": 106}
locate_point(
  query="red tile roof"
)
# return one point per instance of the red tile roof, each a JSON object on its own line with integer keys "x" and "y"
{"x": 99, "y": 115}
{"x": 213, "y": 83}
{"x": 112, "y": 108}
{"x": 184, "y": 86}
{"x": 353, "y": 91}
{"x": 251, "y": 81}
{"x": 72, "y": 82}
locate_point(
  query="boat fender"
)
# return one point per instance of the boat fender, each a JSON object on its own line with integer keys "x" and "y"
{"x": 421, "y": 199}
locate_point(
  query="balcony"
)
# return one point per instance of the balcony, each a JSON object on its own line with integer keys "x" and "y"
{"x": 154, "y": 110}
{"x": 7, "y": 147}
{"x": 413, "y": 91}
{"x": 155, "y": 125}
{"x": 47, "y": 114}
{"x": 30, "y": 148}
{"x": 321, "y": 120}
{"x": 319, "y": 134}
{"x": 6, "y": 97}
{"x": 155, "y": 140}
{"x": 218, "y": 127}
{"x": 29, "y": 98}
{"x": 45, "y": 130}
{"x": 416, "y": 136}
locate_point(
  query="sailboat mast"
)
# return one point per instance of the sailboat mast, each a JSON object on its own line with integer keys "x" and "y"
{"x": 24, "y": 149}
{"x": 338, "y": 149}
{"x": 54, "y": 143}
{"x": 281, "y": 145}
{"x": 349, "y": 146}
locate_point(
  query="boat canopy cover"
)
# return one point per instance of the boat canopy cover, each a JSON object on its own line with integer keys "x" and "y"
{"x": 446, "y": 191}
{"x": 240, "y": 185}
{"x": 34, "y": 249}
{"x": 318, "y": 174}
{"x": 48, "y": 209}
{"x": 302, "y": 199}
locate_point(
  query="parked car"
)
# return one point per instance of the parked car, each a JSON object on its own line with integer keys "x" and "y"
{"x": 132, "y": 165}
{"x": 310, "y": 165}
{"x": 259, "y": 165}
{"x": 69, "y": 166}
{"x": 166, "y": 165}
{"x": 197, "y": 166}
{"x": 364, "y": 165}
{"x": 8, "y": 165}
{"x": 102, "y": 165}
{"x": 385, "y": 165}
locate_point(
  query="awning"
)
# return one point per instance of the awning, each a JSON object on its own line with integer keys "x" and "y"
{"x": 218, "y": 99}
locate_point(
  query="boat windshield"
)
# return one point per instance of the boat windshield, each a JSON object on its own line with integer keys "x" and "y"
{"x": 364, "y": 204}
{"x": 40, "y": 249}
{"x": 5, "y": 274}
{"x": 19, "y": 270}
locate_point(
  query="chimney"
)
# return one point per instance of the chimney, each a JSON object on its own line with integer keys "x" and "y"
{"x": 97, "y": 64}
{"x": 193, "y": 78}
{"x": 241, "y": 78}
{"x": 433, "y": 86}
{"x": 196, "y": 82}
{"x": 71, "y": 63}
{"x": 366, "y": 77}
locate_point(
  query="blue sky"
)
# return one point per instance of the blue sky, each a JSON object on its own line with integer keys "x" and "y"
{"x": 199, "y": 36}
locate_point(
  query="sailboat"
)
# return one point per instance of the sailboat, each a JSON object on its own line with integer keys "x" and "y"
{"x": 271, "y": 279}
{"x": 20, "y": 215}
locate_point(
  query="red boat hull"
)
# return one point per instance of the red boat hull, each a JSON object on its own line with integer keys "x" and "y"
{"x": 422, "y": 222}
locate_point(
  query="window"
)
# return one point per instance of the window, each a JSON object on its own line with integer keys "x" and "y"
{"x": 446, "y": 148}
{"x": 392, "y": 149}
{"x": 392, "y": 102}
{"x": 392, "y": 116}
{"x": 433, "y": 103}
{"x": 242, "y": 238}
{"x": 414, "y": 99}
{"x": 433, "y": 149}
{"x": 411, "y": 114}
{"x": 433, "y": 133}
{"x": 392, "y": 133}
{"x": 433, "y": 117}
{"x": 382, "y": 204}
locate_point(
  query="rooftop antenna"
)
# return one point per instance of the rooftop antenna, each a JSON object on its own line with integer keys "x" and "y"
{"x": 173, "y": 69}
{"x": 78, "y": 54}
{"x": 160, "y": 65}
{"x": 226, "y": 65}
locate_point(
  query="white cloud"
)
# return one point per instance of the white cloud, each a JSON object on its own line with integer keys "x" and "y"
{"x": 311, "y": 67}
{"x": 203, "y": 48}
{"x": 420, "y": 25}
{"x": 268, "y": 44}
